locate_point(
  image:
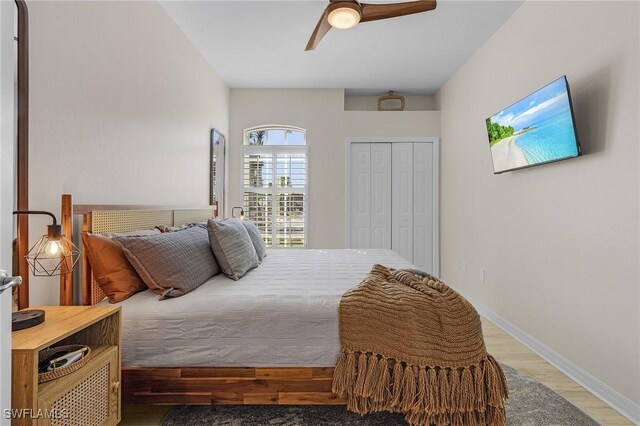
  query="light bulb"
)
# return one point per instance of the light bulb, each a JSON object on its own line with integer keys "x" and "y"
{"x": 53, "y": 248}
{"x": 343, "y": 18}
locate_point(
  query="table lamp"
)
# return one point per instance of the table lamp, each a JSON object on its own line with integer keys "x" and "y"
{"x": 53, "y": 254}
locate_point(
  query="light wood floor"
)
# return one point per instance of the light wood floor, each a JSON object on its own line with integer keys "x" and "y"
{"x": 509, "y": 351}
{"x": 502, "y": 346}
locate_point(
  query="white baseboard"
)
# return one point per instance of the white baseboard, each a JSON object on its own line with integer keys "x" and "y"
{"x": 611, "y": 397}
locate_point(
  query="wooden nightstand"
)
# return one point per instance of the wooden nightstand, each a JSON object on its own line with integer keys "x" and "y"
{"x": 87, "y": 397}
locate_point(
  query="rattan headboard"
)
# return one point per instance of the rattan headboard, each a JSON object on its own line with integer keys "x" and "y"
{"x": 104, "y": 219}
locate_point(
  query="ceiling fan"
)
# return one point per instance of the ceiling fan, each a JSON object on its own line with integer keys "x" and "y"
{"x": 343, "y": 14}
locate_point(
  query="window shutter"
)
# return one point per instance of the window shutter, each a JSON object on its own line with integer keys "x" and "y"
{"x": 258, "y": 170}
{"x": 258, "y": 209}
{"x": 290, "y": 219}
{"x": 291, "y": 170}
{"x": 275, "y": 191}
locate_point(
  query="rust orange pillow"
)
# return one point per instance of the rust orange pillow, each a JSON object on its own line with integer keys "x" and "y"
{"x": 111, "y": 269}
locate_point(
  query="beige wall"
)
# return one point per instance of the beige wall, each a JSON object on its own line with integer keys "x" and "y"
{"x": 559, "y": 242}
{"x": 121, "y": 108}
{"x": 321, "y": 113}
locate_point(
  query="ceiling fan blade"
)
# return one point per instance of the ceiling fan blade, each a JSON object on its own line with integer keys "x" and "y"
{"x": 374, "y": 12}
{"x": 321, "y": 30}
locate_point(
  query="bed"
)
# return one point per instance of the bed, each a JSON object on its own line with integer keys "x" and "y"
{"x": 270, "y": 338}
{"x": 281, "y": 314}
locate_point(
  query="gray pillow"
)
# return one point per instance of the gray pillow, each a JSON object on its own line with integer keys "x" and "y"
{"x": 232, "y": 247}
{"x": 174, "y": 263}
{"x": 256, "y": 239}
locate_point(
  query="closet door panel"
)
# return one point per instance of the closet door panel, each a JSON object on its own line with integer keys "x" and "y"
{"x": 423, "y": 206}
{"x": 380, "y": 195}
{"x": 402, "y": 199}
{"x": 360, "y": 197}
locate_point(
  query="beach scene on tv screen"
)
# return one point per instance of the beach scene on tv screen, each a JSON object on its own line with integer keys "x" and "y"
{"x": 537, "y": 129}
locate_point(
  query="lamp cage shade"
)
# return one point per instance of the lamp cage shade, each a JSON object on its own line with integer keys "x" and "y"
{"x": 52, "y": 256}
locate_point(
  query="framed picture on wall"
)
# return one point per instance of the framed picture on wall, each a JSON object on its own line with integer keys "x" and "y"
{"x": 216, "y": 171}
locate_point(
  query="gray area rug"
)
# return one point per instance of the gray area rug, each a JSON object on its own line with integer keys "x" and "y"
{"x": 530, "y": 404}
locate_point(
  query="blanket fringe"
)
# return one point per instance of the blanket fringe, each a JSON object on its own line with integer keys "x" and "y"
{"x": 397, "y": 384}
{"x": 362, "y": 375}
{"x": 427, "y": 395}
{"x": 432, "y": 395}
{"x": 381, "y": 392}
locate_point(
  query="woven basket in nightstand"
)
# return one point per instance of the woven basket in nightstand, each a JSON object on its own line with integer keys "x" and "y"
{"x": 47, "y": 376}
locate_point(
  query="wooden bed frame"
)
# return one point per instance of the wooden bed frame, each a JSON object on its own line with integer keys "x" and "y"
{"x": 192, "y": 385}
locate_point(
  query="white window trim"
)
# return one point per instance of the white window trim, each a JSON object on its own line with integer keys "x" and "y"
{"x": 274, "y": 190}
{"x": 272, "y": 127}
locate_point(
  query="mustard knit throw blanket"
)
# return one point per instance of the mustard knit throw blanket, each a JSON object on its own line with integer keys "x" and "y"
{"x": 411, "y": 344}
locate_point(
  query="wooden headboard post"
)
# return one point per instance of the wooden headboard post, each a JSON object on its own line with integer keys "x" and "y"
{"x": 106, "y": 219}
{"x": 66, "y": 220}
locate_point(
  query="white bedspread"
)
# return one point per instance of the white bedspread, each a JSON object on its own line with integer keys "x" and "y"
{"x": 284, "y": 313}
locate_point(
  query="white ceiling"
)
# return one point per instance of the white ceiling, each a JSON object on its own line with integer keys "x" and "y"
{"x": 260, "y": 44}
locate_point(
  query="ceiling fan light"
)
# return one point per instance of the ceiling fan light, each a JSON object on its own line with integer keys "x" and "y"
{"x": 344, "y": 17}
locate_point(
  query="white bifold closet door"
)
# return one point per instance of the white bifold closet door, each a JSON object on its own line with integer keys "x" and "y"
{"x": 391, "y": 199}
{"x": 423, "y": 220}
{"x": 360, "y": 199}
{"x": 380, "y": 195}
{"x": 402, "y": 200}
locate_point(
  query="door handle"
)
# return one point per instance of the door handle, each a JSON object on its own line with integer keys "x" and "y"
{"x": 7, "y": 282}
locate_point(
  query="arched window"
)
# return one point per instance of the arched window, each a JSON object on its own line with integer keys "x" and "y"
{"x": 275, "y": 182}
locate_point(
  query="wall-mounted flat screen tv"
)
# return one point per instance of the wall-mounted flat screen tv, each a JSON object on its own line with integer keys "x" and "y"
{"x": 536, "y": 130}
